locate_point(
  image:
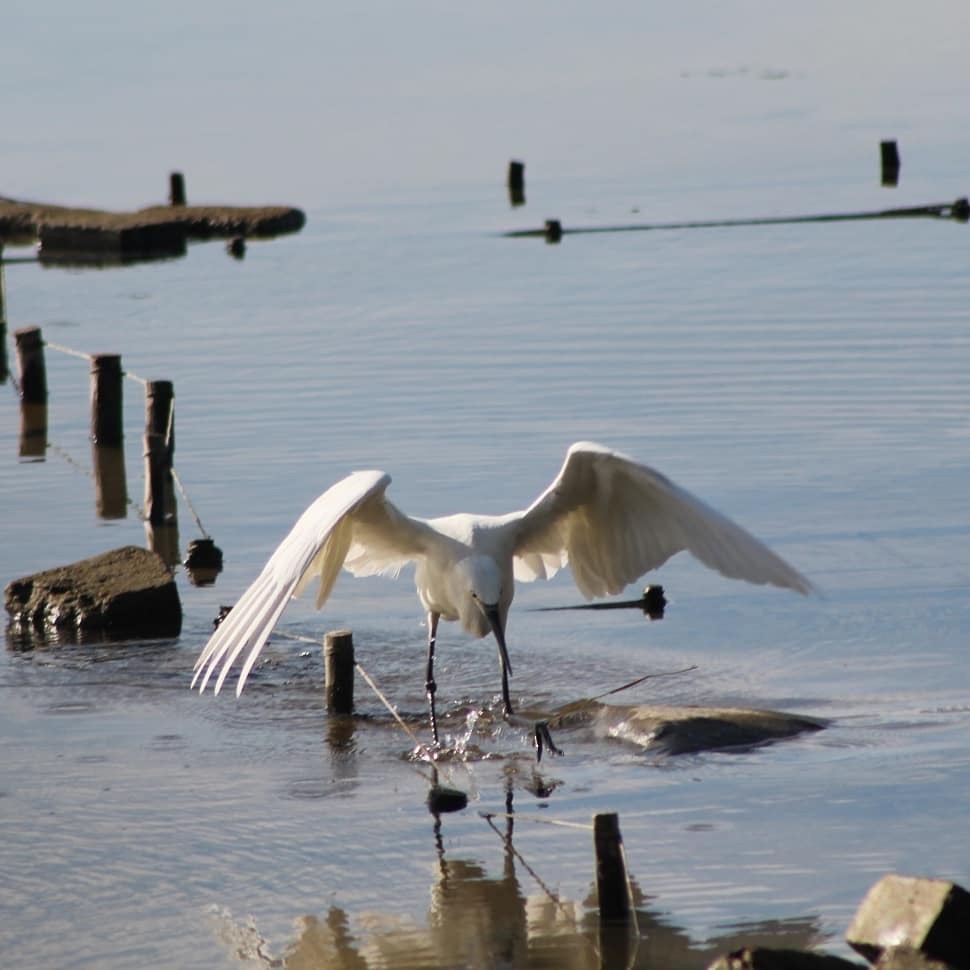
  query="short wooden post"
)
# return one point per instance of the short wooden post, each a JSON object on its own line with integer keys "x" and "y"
{"x": 889, "y": 156}
{"x": 176, "y": 189}
{"x": 33, "y": 370}
{"x": 160, "y": 413}
{"x": 553, "y": 230}
{"x": 338, "y": 662}
{"x": 159, "y": 487}
{"x": 110, "y": 482}
{"x": 106, "y": 398}
{"x": 516, "y": 183}
{"x": 612, "y": 887}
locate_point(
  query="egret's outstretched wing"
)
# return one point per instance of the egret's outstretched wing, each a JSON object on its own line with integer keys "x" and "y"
{"x": 352, "y": 516}
{"x": 612, "y": 519}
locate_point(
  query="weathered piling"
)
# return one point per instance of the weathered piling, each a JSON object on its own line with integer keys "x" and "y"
{"x": 33, "y": 369}
{"x": 176, "y": 189}
{"x": 516, "y": 183}
{"x": 553, "y": 230}
{"x": 110, "y": 481}
{"x": 159, "y": 486}
{"x": 612, "y": 886}
{"x": 160, "y": 413}
{"x": 106, "y": 400}
{"x": 338, "y": 662}
{"x": 889, "y": 158}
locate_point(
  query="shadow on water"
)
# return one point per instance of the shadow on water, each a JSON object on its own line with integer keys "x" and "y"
{"x": 508, "y": 918}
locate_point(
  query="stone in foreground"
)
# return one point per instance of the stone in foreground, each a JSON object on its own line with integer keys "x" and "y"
{"x": 931, "y": 916}
{"x": 127, "y": 592}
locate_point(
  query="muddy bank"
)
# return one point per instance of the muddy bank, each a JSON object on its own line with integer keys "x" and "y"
{"x": 160, "y": 230}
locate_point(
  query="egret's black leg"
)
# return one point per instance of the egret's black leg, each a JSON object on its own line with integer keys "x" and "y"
{"x": 429, "y": 685}
{"x": 504, "y": 659}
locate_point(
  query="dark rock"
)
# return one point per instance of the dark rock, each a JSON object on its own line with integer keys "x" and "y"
{"x": 761, "y": 958}
{"x": 931, "y": 916}
{"x": 126, "y": 592}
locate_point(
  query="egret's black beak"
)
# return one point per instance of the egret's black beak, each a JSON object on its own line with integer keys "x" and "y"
{"x": 495, "y": 622}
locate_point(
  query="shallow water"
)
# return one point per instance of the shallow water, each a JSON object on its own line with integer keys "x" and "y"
{"x": 808, "y": 380}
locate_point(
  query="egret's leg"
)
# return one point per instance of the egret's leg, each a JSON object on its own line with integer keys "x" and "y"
{"x": 429, "y": 685}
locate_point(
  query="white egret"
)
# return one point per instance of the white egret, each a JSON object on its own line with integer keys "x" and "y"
{"x": 606, "y": 516}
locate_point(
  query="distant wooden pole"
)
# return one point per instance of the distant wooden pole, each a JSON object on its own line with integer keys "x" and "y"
{"x": 612, "y": 886}
{"x": 4, "y": 366}
{"x": 3, "y": 302}
{"x": 516, "y": 183}
{"x": 159, "y": 412}
{"x": 176, "y": 189}
{"x": 106, "y": 398}
{"x": 33, "y": 370}
{"x": 553, "y": 230}
{"x": 338, "y": 662}
{"x": 889, "y": 157}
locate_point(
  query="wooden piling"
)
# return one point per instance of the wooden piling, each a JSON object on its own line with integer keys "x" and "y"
{"x": 338, "y": 661}
{"x": 176, "y": 189}
{"x": 612, "y": 886}
{"x": 889, "y": 157}
{"x": 159, "y": 486}
{"x": 160, "y": 413}
{"x": 516, "y": 183}
{"x": 110, "y": 482}
{"x": 106, "y": 399}
{"x": 33, "y": 370}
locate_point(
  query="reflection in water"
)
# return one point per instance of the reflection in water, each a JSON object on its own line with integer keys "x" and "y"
{"x": 110, "y": 482}
{"x": 33, "y": 431}
{"x": 477, "y": 920}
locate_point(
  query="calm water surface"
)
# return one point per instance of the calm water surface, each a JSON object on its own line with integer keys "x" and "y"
{"x": 810, "y": 381}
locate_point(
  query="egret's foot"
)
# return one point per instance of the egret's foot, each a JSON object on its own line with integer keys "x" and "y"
{"x": 543, "y": 740}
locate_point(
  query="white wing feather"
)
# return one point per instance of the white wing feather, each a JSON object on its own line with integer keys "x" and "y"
{"x": 612, "y": 520}
{"x": 336, "y": 524}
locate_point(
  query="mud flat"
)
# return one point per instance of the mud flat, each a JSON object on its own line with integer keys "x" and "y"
{"x": 64, "y": 233}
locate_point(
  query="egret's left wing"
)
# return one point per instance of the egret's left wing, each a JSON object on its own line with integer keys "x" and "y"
{"x": 352, "y": 511}
{"x": 612, "y": 519}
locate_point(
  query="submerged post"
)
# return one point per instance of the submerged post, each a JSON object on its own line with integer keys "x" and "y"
{"x": 338, "y": 662}
{"x": 106, "y": 398}
{"x": 611, "y": 879}
{"x": 33, "y": 369}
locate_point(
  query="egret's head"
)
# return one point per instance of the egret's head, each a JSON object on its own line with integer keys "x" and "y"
{"x": 486, "y": 601}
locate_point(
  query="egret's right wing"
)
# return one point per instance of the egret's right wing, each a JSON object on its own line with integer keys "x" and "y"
{"x": 350, "y": 517}
{"x": 613, "y": 519}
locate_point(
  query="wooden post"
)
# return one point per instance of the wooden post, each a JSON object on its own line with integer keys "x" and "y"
{"x": 176, "y": 189}
{"x": 889, "y": 156}
{"x": 611, "y": 879}
{"x": 553, "y": 229}
{"x": 106, "y": 398}
{"x": 159, "y": 413}
{"x": 338, "y": 661}
{"x": 33, "y": 370}
{"x": 159, "y": 487}
{"x": 110, "y": 482}
{"x": 516, "y": 183}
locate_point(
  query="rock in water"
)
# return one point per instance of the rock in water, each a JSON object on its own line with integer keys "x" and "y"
{"x": 127, "y": 592}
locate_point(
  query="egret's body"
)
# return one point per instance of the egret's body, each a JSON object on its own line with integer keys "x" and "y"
{"x": 609, "y": 518}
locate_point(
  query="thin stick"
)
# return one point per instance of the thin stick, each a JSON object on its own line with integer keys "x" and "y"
{"x": 397, "y": 717}
{"x": 640, "y": 680}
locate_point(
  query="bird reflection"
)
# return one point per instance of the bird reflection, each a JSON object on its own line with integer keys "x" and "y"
{"x": 479, "y": 920}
